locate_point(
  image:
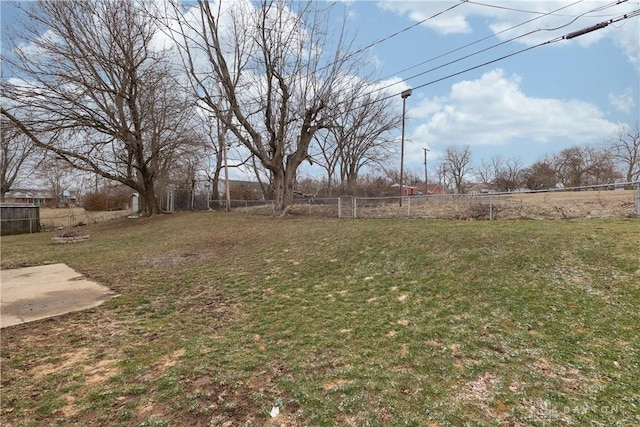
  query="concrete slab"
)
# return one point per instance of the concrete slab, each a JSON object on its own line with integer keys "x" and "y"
{"x": 33, "y": 293}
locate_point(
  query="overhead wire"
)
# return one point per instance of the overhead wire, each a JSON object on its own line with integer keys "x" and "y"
{"x": 554, "y": 40}
{"x": 526, "y": 11}
{"x": 490, "y": 47}
{"x": 474, "y": 42}
{"x": 390, "y": 36}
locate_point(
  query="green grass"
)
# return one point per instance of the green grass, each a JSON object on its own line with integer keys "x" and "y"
{"x": 376, "y": 322}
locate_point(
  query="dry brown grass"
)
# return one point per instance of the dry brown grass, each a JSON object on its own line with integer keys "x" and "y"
{"x": 543, "y": 205}
{"x": 551, "y": 205}
{"x": 51, "y": 218}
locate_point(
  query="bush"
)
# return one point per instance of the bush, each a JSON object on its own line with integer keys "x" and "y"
{"x": 106, "y": 201}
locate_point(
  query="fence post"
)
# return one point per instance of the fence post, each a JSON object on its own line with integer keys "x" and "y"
{"x": 637, "y": 199}
{"x": 354, "y": 206}
{"x": 490, "y": 208}
{"x": 409, "y": 206}
{"x": 339, "y": 208}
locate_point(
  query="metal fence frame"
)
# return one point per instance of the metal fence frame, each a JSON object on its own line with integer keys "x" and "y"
{"x": 489, "y": 206}
{"x": 485, "y": 206}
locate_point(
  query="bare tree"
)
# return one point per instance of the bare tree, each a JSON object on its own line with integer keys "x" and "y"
{"x": 540, "y": 176}
{"x": 602, "y": 166}
{"x": 363, "y": 132}
{"x": 443, "y": 175}
{"x": 328, "y": 156}
{"x": 218, "y": 146}
{"x": 18, "y": 157}
{"x": 570, "y": 166}
{"x": 279, "y": 70}
{"x": 584, "y": 165}
{"x": 359, "y": 136}
{"x": 456, "y": 165}
{"x": 59, "y": 176}
{"x": 625, "y": 147}
{"x": 102, "y": 93}
{"x": 508, "y": 174}
{"x": 486, "y": 172}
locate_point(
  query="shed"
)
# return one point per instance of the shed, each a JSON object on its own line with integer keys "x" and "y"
{"x": 19, "y": 218}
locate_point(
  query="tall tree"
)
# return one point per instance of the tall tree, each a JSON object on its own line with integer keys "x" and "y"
{"x": 359, "y": 136}
{"x": 456, "y": 164}
{"x": 18, "y": 156}
{"x": 540, "y": 176}
{"x": 571, "y": 166}
{"x": 625, "y": 147}
{"x": 364, "y": 138}
{"x": 101, "y": 90}
{"x": 584, "y": 165}
{"x": 509, "y": 174}
{"x": 280, "y": 71}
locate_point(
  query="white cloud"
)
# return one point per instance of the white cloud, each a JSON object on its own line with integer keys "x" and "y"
{"x": 448, "y": 23}
{"x": 493, "y": 110}
{"x": 623, "y": 102}
{"x": 528, "y": 17}
{"x": 626, "y": 37}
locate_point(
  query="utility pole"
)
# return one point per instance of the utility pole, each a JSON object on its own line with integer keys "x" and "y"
{"x": 405, "y": 94}
{"x": 426, "y": 177}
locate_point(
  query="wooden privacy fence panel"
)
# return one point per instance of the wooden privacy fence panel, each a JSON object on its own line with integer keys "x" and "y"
{"x": 18, "y": 218}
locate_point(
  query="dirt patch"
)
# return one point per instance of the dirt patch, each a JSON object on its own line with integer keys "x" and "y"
{"x": 100, "y": 373}
{"x": 66, "y": 361}
{"x": 336, "y": 384}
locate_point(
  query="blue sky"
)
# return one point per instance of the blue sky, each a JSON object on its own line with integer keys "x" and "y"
{"x": 532, "y": 104}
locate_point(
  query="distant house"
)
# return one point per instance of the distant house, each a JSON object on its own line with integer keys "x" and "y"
{"x": 480, "y": 188}
{"x": 409, "y": 190}
{"x": 39, "y": 197}
{"x": 434, "y": 189}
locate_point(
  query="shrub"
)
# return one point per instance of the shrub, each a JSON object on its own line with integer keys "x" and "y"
{"x": 106, "y": 201}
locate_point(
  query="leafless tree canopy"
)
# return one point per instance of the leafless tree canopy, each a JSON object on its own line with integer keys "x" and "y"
{"x": 100, "y": 93}
{"x": 625, "y": 148}
{"x": 18, "y": 156}
{"x": 506, "y": 175}
{"x": 271, "y": 73}
{"x": 359, "y": 136}
{"x": 584, "y": 165}
{"x": 540, "y": 175}
{"x": 455, "y": 165}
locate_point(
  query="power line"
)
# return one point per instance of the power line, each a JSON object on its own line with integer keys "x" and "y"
{"x": 390, "y": 36}
{"x": 526, "y": 11}
{"x": 493, "y": 46}
{"x": 555, "y": 40}
{"x": 472, "y": 43}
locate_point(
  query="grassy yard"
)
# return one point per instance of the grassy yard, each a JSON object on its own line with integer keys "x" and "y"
{"x": 348, "y": 323}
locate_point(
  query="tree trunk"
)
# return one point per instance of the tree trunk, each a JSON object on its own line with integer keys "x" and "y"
{"x": 151, "y": 205}
{"x": 284, "y": 182}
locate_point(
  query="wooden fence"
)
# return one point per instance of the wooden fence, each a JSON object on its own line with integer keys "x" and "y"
{"x": 19, "y": 218}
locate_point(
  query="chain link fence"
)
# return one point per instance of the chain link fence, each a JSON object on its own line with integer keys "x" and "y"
{"x": 606, "y": 201}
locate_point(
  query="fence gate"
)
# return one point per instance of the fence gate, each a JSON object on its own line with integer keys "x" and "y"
{"x": 347, "y": 207}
